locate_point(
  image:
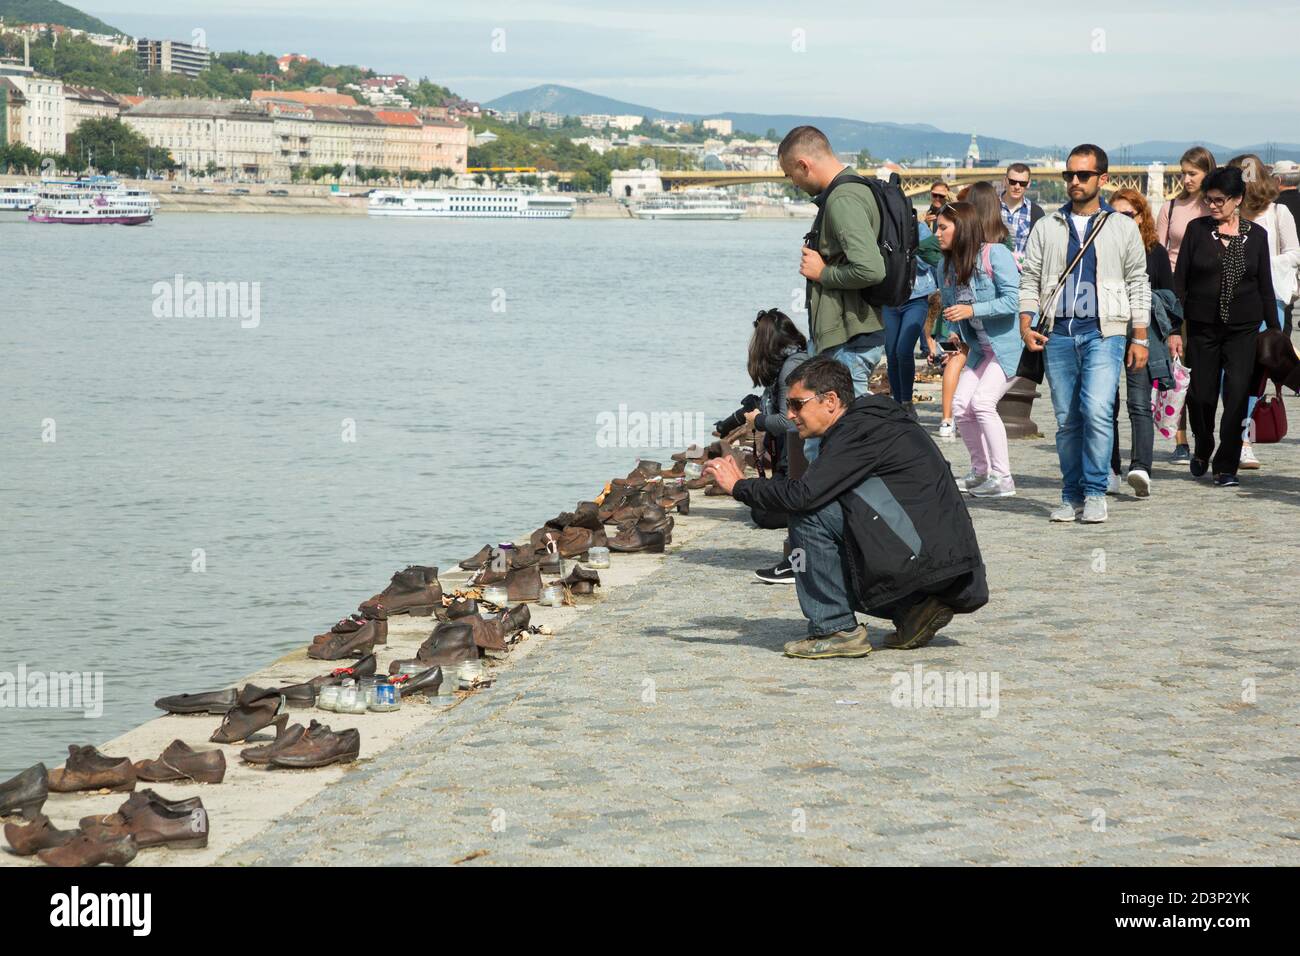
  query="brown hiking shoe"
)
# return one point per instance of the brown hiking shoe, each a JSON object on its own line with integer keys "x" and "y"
{"x": 413, "y": 591}
{"x": 88, "y": 851}
{"x": 337, "y": 646}
{"x": 636, "y": 540}
{"x": 88, "y": 769}
{"x": 840, "y": 644}
{"x": 920, "y": 624}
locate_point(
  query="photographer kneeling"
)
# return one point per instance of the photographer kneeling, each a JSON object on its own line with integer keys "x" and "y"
{"x": 877, "y": 522}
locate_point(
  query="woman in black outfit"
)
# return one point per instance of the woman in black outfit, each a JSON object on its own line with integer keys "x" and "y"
{"x": 1131, "y": 203}
{"x": 1225, "y": 281}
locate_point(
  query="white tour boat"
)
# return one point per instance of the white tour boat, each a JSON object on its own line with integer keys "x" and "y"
{"x": 94, "y": 200}
{"x": 470, "y": 204}
{"x": 691, "y": 204}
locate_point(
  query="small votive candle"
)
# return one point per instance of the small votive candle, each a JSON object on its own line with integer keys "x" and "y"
{"x": 552, "y": 596}
{"x": 598, "y": 557}
{"x": 693, "y": 470}
{"x": 496, "y": 594}
{"x": 327, "y": 697}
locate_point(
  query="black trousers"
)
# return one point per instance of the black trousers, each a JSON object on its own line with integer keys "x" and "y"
{"x": 1216, "y": 351}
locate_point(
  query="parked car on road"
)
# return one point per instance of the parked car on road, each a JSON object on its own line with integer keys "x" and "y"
{"x": 239, "y": 192}
{"x": 277, "y": 192}
{"x": 177, "y": 188}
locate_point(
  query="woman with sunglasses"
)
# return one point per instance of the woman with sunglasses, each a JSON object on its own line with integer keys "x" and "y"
{"x": 1225, "y": 281}
{"x": 980, "y": 284}
{"x": 1187, "y": 204}
{"x": 776, "y": 349}
{"x": 1138, "y": 381}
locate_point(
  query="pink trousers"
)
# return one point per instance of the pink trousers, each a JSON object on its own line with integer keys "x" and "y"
{"x": 975, "y": 410}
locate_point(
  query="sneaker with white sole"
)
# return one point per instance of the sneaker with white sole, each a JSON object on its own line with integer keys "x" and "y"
{"x": 947, "y": 430}
{"x": 996, "y": 486}
{"x": 1140, "y": 482}
{"x": 1094, "y": 510}
{"x": 973, "y": 479}
{"x": 1112, "y": 484}
{"x": 782, "y": 573}
{"x": 1066, "y": 512}
{"x": 1248, "y": 459}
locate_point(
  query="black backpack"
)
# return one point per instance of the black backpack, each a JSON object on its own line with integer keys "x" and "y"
{"x": 899, "y": 238}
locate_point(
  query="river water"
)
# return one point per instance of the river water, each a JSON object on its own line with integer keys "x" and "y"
{"x": 183, "y": 499}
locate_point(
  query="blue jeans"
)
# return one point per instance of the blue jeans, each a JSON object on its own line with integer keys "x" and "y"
{"x": 903, "y": 326}
{"x": 820, "y": 582}
{"x": 1083, "y": 372}
{"x": 860, "y": 357}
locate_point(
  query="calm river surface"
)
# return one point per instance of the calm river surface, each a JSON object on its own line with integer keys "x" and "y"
{"x": 404, "y": 392}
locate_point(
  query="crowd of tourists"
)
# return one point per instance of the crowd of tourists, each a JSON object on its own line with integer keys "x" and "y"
{"x": 1195, "y": 302}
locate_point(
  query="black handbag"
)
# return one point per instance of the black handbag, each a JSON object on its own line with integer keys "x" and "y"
{"x": 1031, "y": 363}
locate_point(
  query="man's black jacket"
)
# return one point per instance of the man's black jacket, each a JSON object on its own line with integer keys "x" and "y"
{"x": 906, "y": 526}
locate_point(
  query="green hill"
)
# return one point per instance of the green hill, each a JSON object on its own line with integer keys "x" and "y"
{"x": 51, "y": 11}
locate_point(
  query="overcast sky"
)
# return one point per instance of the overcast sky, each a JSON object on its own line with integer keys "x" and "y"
{"x": 1225, "y": 71}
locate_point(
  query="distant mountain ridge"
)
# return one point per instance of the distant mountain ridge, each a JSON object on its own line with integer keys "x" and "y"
{"x": 51, "y": 11}
{"x": 884, "y": 140}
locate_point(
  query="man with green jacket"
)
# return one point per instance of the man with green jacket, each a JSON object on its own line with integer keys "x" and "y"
{"x": 846, "y": 259}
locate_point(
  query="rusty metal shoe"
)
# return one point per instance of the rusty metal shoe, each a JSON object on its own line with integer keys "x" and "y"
{"x": 581, "y": 580}
{"x": 152, "y": 823}
{"x": 634, "y": 541}
{"x": 84, "y": 850}
{"x": 40, "y": 834}
{"x": 24, "y": 794}
{"x": 350, "y": 625}
{"x": 139, "y": 799}
{"x": 362, "y": 668}
{"x": 650, "y": 469}
{"x": 208, "y": 702}
{"x": 358, "y": 643}
{"x": 88, "y": 769}
{"x": 450, "y": 643}
{"x": 413, "y": 591}
{"x": 321, "y": 750}
{"x": 572, "y": 542}
{"x": 461, "y": 607}
{"x": 489, "y": 633}
{"x": 284, "y": 737}
{"x": 180, "y": 761}
{"x": 256, "y": 709}
{"x": 426, "y": 682}
{"x": 524, "y": 584}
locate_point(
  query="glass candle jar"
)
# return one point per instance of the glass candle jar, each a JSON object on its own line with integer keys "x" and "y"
{"x": 467, "y": 673}
{"x": 327, "y": 697}
{"x": 693, "y": 470}
{"x": 552, "y": 596}
{"x": 385, "y": 698}
{"x": 598, "y": 557}
{"x": 351, "y": 700}
{"x": 496, "y": 594}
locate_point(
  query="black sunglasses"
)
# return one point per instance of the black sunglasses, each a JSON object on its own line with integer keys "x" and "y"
{"x": 1022, "y": 183}
{"x": 1083, "y": 175}
{"x": 1131, "y": 214}
{"x": 764, "y": 313}
{"x": 797, "y": 404}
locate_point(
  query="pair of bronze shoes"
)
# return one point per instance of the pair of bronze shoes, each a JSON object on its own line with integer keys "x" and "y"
{"x": 88, "y": 769}
{"x": 498, "y": 631}
{"x": 581, "y": 580}
{"x": 350, "y": 641}
{"x": 144, "y": 820}
{"x": 499, "y": 560}
{"x": 451, "y": 643}
{"x": 521, "y": 584}
{"x": 300, "y": 748}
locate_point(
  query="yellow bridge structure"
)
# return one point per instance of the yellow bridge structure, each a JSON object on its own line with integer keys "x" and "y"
{"x": 917, "y": 182}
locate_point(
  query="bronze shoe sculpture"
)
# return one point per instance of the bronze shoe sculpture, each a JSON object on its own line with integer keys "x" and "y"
{"x": 426, "y": 682}
{"x": 25, "y": 793}
{"x": 581, "y": 580}
{"x": 524, "y": 584}
{"x": 152, "y": 823}
{"x": 350, "y": 625}
{"x": 256, "y": 709}
{"x": 208, "y": 702}
{"x": 86, "y": 850}
{"x": 134, "y": 802}
{"x": 488, "y": 633}
{"x": 413, "y": 591}
{"x": 88, "y": 769}
{"x": 450, "y": 643}
{"x": 284, "y": 737}
{"x": 356, "y": 643}
{"x": 180, "y": 761}
{"x": 461, "y": 607}
{"x": 40, "y": 834}
{"x": 629, "y": 542}
{"x": 321, "y": 750}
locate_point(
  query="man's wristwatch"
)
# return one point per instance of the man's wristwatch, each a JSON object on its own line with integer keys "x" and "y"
{"x": 1145, "y": 343}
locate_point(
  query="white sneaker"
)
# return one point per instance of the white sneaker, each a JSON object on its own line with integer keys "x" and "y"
{"x": 1066, "y": 512}
{"x": 1140, "y": 482}
{"x": 973, "y": 479}
{"x": 946, "y": 429}
{"x": 1112, "y": 485}
{"x": 1248, "y": 459}
{"x": 1094, "y": 510}
{"x": 997, "y": 486}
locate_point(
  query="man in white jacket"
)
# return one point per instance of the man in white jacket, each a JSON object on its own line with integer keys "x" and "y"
{"x": 1105, "y": 298}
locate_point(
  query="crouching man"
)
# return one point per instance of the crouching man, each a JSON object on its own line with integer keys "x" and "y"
{"x": 876, "y": 520}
